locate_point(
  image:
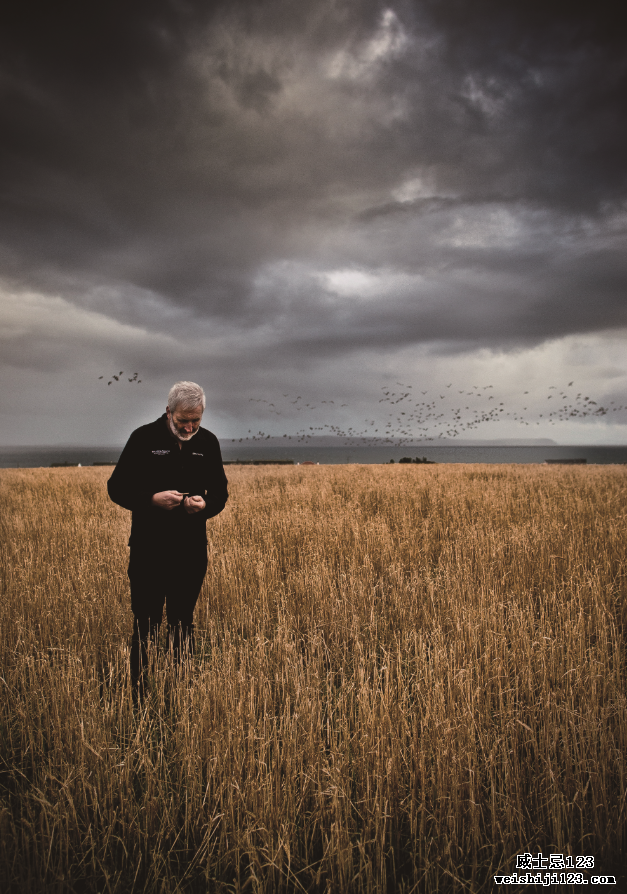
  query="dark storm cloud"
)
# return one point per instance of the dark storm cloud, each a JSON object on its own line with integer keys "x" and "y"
{"x": 562, "y": 70}
{"x": 195, "y": 164}
{"x": 97, "y": 46}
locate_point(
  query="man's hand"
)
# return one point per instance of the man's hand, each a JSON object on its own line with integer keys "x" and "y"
{"x": 194, "y": 504}
{"x": 167, "y": 499}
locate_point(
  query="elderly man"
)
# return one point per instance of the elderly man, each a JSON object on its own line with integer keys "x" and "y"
{"x": 170, "y": 476}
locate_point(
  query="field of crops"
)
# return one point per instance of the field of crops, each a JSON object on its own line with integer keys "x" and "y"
{"x": 405, "y": 676}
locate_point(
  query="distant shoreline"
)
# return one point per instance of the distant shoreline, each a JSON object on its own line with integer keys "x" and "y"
{"x": 44, "y": 457}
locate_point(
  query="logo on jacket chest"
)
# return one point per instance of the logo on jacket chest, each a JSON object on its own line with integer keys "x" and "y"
{"x": 160, "y": 452}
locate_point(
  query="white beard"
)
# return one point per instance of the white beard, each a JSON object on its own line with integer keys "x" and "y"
{"x": 177, "y": 434}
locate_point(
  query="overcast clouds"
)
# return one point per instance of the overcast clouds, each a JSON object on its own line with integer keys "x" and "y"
{"x": 318, "y": 199}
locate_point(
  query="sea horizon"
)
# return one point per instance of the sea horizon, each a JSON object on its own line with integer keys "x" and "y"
{"x": 328, "y": 451}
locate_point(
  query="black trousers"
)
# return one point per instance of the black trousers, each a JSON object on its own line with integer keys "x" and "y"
{"x": 170, "y": 576}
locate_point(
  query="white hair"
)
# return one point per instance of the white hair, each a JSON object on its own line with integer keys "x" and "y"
{"x": 186, "y": 395}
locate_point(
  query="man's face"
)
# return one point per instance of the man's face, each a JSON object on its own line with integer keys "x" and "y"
{"x": 184, "y": 423}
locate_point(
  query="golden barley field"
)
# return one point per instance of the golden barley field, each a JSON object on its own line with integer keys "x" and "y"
{"x": 405, "y": 676}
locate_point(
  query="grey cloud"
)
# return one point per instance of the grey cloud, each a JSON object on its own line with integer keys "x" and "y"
{"x": 162, "y": 160}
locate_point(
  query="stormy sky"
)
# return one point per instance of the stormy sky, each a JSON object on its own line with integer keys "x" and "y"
{"x": 327, "y": 200}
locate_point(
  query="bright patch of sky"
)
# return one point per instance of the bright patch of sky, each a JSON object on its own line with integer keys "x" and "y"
{"x": 487, "y": 227}
{"x": 389, "y": 41}
{"x": 353, "y": 283}
{"x": 422, "y": 187}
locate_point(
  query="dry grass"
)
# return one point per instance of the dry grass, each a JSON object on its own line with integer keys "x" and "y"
{"x": 405, "y": 677}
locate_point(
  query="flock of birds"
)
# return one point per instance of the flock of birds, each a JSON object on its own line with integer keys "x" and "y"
{"x": 119, "y": 376}
{"x": 407, "y": 416}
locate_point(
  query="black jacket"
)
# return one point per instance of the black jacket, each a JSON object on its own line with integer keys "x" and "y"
{"x": 153, "y": 462}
